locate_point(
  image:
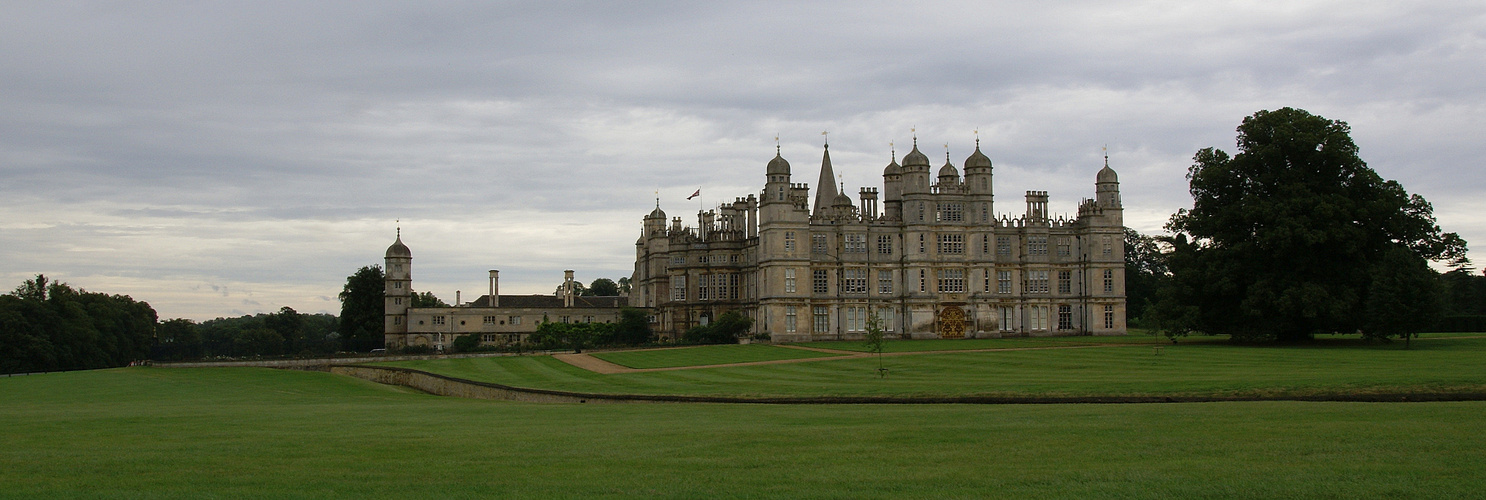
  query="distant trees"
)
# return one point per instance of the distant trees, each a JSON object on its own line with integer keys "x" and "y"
{"x": 1145, "y": 270}
{"x": 1295, "y": 235}
{"x": 363, "y": 310}
{"x": 425, "y": 299}
{"x": 48, "y": 326}
{"x": 603, "y": 287}
{"x": 283, "y": 333}
{"x": 632, "y": 329}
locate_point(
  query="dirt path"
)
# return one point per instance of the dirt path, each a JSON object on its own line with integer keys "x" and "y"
{"x": 592, "y": 364}
{"x": 600, "y": 366}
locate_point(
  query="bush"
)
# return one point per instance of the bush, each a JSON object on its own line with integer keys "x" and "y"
{"x": 466, "y": 343}
{"x": 416, "y": 349}
{"x": 726, "y": 330}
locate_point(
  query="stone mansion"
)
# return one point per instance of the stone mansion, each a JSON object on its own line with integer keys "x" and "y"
{"x": 933, "y": 260}
{"x": 929, "y": 258}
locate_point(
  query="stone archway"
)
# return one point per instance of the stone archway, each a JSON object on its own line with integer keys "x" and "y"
{"x": 951, "y": 322}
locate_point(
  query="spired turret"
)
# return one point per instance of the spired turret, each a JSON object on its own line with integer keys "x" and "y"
{"x": 948, "y": 175}
{"x": 825, "y": 196}
{"x": 398, "y": 290}
{"x": 892, "y": 189}
{"x": 915, "y": 171}
{"x": 1107, "y": 195}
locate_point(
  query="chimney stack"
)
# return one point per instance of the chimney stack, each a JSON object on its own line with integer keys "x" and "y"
{"x": 494, "y": 288}
{"x": 567, "y": 288}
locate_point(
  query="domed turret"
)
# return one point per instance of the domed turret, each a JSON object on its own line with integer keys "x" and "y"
{"x": 657, "y": 213}
{"x": 399, "y": 250}
{"x": 1107, "y": 174}
{"x": 977, "y": 160}
{"x": 892, "y": 169}
{"x": 948, "y": 170}
{"x": 778, "y": 166}
{"x": 842, "y": 200}
{"x": 915, "y": 159}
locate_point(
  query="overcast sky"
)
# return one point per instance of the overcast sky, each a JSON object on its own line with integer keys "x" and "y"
{"x": 234, "y": 158}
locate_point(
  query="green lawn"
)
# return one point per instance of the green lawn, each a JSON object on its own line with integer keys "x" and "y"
{"x": 1442, "y": 364}
{"x": 894, "y": 345}
{"x": 705, "y": 355}
{"x": 161, "y": 433}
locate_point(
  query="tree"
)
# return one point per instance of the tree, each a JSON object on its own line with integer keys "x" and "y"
{"x": 633, "y": 327}
{"x": 875, "y": 342}
{"x": 426, "y": 299}
{"x": 578, "y": 289}
{"x": 1405, "y": 296}
{"x": 1282, "y": 237}
{"x": 1145, "y": 269}
{"x": 47, "y": 325}
{"x": 466, "y": 343}
{"x": 363, "y": 309}
{"x": 726, "y": 329}
{"x": 602, "y": 287}
{"x": 624, "y": 285}
{"x": 177, "y": 339}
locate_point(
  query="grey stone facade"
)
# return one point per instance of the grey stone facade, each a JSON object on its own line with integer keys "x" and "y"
{"x": 933, "y": 261}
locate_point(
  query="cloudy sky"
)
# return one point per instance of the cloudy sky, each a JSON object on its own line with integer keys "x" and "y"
{"x": 219, "y": 159}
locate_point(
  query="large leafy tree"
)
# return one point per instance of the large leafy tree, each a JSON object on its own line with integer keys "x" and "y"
{"x": 1292, "y": 235}
{"x": 363, "y": 309}
{"x": 602, "y": 287}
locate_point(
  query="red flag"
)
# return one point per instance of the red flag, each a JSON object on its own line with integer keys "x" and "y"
{"x": 696, "y": 194}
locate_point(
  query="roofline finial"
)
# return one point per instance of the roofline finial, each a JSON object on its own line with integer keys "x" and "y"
{"x": 827, "y": 134}
{"x": 977, "y": 139}
{"x": 399, "y": 228}
{"x": 1106, "y": 155}
{"x": 892, "y": 152}
{"x": 914, "y": 130}
{"x": 777, "y": 151}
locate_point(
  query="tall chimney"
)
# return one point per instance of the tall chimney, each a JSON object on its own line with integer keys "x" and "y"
{"x": 494, "y": 288}
{"x": 456, "y": 298}
{"x": 567, "y": 288}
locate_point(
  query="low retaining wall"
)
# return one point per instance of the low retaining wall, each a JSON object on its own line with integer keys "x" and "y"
{"x": 441, "y": 385}
{"x": 322, "y": 363}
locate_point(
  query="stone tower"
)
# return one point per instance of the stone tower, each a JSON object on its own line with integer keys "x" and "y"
{"x": 398, "y": 293}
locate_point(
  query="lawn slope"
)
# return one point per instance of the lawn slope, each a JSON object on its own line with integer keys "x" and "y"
{"x": 259, "y": 433}
{"x": 1433, "y": 365}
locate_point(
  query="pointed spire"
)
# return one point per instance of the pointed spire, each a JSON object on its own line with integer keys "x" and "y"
{"x": 827, "y": 184}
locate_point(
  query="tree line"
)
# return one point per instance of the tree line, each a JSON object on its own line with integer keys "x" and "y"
{"x": 1294, "y": 236}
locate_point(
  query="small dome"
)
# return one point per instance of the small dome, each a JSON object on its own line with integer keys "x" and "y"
{"x": 915, "y": 159}
{"x": 399, "y": 250}
{"x": 1107, "y": 174}
{"x": 656, "y": 214}
{"x": 977, "y": 160}
{"x": 892, "y": 169}
{"x": 841, "y": 200}
{"x": 948, "y": 170}
{"x": 778, "y": 166}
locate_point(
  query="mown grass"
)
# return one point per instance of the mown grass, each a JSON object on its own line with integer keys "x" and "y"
{"x": 258, "y": 433}
{"x": 705, "y": 355}
{"x": 1441, "y": 364}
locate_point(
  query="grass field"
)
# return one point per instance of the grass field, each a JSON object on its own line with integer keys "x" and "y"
{"x": 1438, "y": 364}
{"x": 705, "y": 355}
{"x": 258, "y": 433}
